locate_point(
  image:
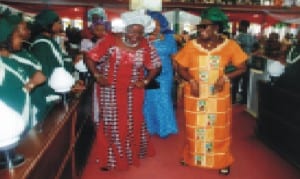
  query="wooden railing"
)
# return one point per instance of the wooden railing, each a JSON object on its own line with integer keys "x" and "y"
{"x": 53, "y": 149}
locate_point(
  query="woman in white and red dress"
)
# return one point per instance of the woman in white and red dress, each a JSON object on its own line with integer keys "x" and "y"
{"x": 122, "y": 135}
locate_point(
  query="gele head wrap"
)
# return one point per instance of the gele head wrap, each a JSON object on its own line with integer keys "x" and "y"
{"x": 98, "y": 11}
{"x": 164, "y": 24}
{"x": 138, "y": 17}
{"x": 217, "y": 16}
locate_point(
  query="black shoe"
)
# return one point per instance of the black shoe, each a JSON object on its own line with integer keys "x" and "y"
{"x": 224, "y": 171}
{"x": 182, "y": 162}
{"x": 105, "y": 169}
{"x": 16, "y": 160}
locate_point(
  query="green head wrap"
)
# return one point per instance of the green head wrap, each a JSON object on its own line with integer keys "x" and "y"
{"x": 216, "y": 15}
{"x": 46, "y": 18}
{"x": 8, "y": 24}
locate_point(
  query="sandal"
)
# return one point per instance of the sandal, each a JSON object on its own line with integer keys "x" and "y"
{"x": 105, "y": 169}
{"x": 182, "y": 162}
{"x": 224, "y": 171}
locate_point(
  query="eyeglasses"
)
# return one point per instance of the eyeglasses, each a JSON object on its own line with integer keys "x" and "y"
{"x": 203, "y": 26}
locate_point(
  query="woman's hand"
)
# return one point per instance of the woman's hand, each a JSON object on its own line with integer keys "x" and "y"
{"x": 194, "y": 88}
{"x": 79, "y": 86}
{"x": 101, "y": 80}
{"x": 219, "y": 84}
{"x": 36, "y": 79}
{"x": 141, "y": 83}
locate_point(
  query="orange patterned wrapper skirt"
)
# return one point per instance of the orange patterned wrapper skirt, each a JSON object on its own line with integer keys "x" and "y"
{"x": 208, "y": 123}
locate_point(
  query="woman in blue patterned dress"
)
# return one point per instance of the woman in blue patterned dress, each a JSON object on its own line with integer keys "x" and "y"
{"x": 158, "y": 106}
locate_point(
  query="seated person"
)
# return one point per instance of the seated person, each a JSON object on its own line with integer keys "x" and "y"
{"x": 273, "y": 46}
{"x": 290, "y": 78}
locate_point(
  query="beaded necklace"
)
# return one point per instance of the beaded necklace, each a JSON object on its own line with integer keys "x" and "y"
{"x": 129, "y": 44}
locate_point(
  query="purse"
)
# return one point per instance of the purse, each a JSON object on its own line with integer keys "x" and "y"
{"x": 153, "y": 84}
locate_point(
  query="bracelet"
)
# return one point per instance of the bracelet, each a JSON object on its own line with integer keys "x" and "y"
{"x": 30, "y": 85}
{"x": 146, "y": 81}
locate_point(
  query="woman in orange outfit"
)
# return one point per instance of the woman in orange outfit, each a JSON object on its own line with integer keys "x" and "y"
{"x": 207, "y": 101}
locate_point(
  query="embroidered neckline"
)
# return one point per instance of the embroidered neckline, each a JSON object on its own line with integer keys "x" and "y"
{"x": 217, "y": 48}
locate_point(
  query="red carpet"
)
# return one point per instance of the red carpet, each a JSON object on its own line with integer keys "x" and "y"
{"x": 253, "y": 159}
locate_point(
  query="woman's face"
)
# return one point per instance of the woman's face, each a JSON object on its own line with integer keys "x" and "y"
{"x": 24, "y": 30}
{"x": 96, "y": 17}
{"x": 206, "y": 29}
{"x": 57, "y": 27}
{"x": 134, "y": 33}
{"x": 16, "y": 40}
{"x": 99, "y": 30}
{"x": 157, "y": 27}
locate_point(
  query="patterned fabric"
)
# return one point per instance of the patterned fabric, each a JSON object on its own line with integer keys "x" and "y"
{"x": 29, "y": 62}
{"x": 122, "y": 136}
{"x": 208, "y": 118}
{"x": 158, "y": 105}
{"x": 85, "y": 46}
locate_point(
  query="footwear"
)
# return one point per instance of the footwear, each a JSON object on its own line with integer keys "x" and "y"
{"x": 105, "y": 169}
{"x": 182, "y": 162}
{"x": 224, "y": 171}
{"x": 15, "y": 160}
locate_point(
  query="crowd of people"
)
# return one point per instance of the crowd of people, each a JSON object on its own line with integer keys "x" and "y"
{"x": 133, "y": 67}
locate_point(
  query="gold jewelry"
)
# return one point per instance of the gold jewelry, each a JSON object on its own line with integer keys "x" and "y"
{"x": 30, "y": 85}
{"x": 128, "y": 44}
{"x": 146, "y": 81}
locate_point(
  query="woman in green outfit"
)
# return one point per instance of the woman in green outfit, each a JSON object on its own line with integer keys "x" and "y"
{"x": 44, "y": 47}
{"x": 17, "y": 80}
{"x": 19, "y": 72}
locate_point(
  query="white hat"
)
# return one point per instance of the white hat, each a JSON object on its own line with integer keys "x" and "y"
{"x": 138, "y": 17}
{"x": 275, "y": 68}
{"x": 118, "y": 26}
{"x": 61, "y": 80}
